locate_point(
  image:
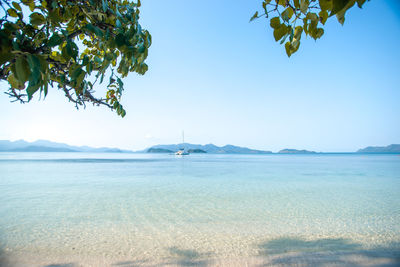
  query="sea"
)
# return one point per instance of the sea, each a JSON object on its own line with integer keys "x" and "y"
{"x": 121, "y": 209}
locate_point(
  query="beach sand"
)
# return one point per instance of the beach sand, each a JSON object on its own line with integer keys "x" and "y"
{"x": 276, "y": 252}
{"x": 366, "y": 258}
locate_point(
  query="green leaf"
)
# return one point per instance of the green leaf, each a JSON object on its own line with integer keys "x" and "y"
{"x": 14, "y": 82}
{"x": 80, "y": 77}
{"x": 44, "y": 64}
{"x": 325, "y": 5}
{"x": 312, "y": 28}
{"x": 16, "y": 6}
{"x": 287, "y": 14}
{"x": 46, "y": 87}
{"x": 12, "y": 13}
{"x": 297, "y": 32}
{"x": 287, "y": 48}
{"x": 340, "y": 17}
{"x": 65, "y": 54}
{"x": 295, "y": 46}
{"x": 97, "y": 60}
{"x": 90, "y": 28}
{"x": 34, "y": 65}
{"x": 74, "y": 71}
{"x": 117, "y": 12}
{"x": 99, "y": 32}
{"x": 22, "y": 69}
{"x": 94, "y": 29}
{"x": 304, "y": 6}
{"x": 319, "y": 33}
{"x": 89, "y": 67}
{"x": 105, "y": 5}
{"x": 120, "y": 85}
{"x": 54, "y": 16}
{"x": 85, "y": 60}
{"x": 72, "y": 49}
{"x": 323, "y": 16}
{"x": 291, "y": 32}
{"x": 338, "y": 5}
{"x": 37, "y": 19}
{"x": 280, "y": 32}
{"x": 102, "y": 77}
{"x": 55, "y": 40}
{"x": 284, "y": 16}
{"x": 32, "y": 6}
{"x": 5, "y": 56}
{"x": 254, "y": 16}
{"x": 31, "y": 90}
{"x": 292, "y": 47}
{"x": 118, "y": 24}
{"x": 264, "y": 5}
{"x": 312, "y": 16}
{"x": 275, "y": 22}
{"x": 120, "y": 40}
{"x": 360, "y": 3}
{"x": 284, "y": 38}
{"x": 281, "y": 2}
{"x": 141, "y": 48}
{"x": 34, "y": 77}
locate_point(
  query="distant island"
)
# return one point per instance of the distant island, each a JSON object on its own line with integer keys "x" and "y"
{"x": 210, "y": 149}
{"x": 159, "y": 150}
{"x": 48, "y": 146}
{"x": 395, "y": 148}
{"x": 295, "y": 151}
{"x": 163, "y": 150}
{"x": 41, "y": 149}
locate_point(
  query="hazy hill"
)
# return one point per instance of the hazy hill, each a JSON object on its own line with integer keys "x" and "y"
{"x": 41, "y": 149}
{"x": 295, "y": 151}
{"x": 158, "y": 150}
{"x": 211, "y": 149}
{"x": 394, "y": 148}
{"x": 48, "y": 146}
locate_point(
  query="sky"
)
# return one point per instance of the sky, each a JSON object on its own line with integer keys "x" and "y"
{"x": 224, "y": 80}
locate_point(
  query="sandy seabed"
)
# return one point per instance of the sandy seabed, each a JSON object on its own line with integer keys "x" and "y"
{"x": 363, "y": 257}
{"x": 224, "y": 211}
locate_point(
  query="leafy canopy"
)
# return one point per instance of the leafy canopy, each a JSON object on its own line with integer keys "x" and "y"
{"x": 295, "y": 17}
{"x": 75, "y": 44}
{"x": 71, "y": 44}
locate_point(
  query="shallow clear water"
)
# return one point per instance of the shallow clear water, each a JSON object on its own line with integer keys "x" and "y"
{"x": 153, "y": 207}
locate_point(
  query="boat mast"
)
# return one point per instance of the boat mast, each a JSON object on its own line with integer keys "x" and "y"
{"x": 183, "y": 137}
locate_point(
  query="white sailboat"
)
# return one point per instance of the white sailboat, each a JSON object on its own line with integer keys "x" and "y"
{"x": 181, "y": 151}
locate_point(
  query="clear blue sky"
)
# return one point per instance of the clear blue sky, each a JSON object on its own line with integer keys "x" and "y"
{"x": 226, "y": 81}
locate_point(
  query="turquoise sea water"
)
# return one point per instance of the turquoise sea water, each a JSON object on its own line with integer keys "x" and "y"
{"x": 61, "y": 207}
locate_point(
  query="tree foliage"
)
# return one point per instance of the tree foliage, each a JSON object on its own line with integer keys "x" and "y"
{"x": 72, "y": 45}
{"x": 77, "y": 44}
{"x": 292, "y": 18}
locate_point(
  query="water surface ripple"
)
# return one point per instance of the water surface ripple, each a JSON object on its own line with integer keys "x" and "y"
{"x": 141, "y": 208}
